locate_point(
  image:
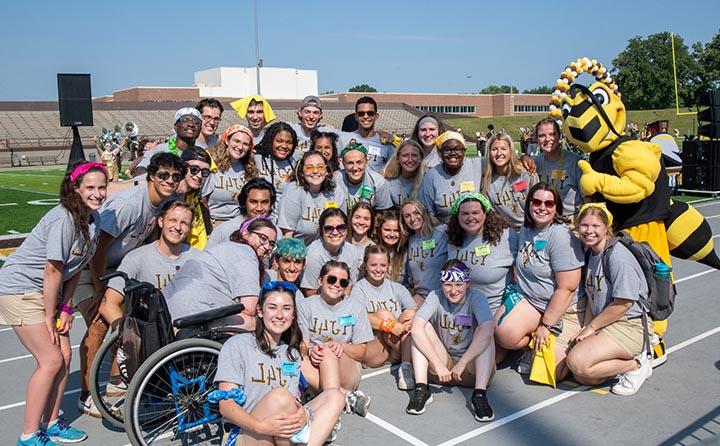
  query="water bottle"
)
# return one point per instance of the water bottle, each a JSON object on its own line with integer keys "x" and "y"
{"x": 662, "y": 270}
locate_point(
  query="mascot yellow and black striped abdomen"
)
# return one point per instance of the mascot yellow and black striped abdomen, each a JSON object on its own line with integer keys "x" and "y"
{"x": 689, "y": 235}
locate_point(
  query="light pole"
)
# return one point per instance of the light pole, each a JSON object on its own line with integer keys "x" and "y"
{"x": 258, "y": 61}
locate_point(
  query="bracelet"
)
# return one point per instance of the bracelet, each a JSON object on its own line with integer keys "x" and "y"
{"x": 387, "y": 325}
{"x": 64, "y": 308}
{"x": 545, "y": 325}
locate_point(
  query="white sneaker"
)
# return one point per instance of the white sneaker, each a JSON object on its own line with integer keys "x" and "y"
{"x": 334, "y": 432}
{"x": 630, "y": 382}
{"x": 114, "y": 390}
{"x": 88, "y": 407}
{"x": 524, "y": 363}
{"x": 357, "y": 402}
{"x": 406, "y": 379}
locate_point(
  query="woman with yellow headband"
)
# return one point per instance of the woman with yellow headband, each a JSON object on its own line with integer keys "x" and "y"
{"x": 452, "y": 177}
{"x": 611, "y": 342}
{"x": 235, "y": 167}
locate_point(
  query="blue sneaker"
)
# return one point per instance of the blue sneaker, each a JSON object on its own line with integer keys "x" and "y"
{"x": 39, "y": 438}
{"x": 62, "y": 432}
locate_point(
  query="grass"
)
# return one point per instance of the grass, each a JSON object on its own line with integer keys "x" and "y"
{"x": 22, "y": 187}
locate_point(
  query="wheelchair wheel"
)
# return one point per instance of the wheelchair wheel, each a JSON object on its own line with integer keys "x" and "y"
{"x": 167, "y": 398}
{"x": 109, "y": 398}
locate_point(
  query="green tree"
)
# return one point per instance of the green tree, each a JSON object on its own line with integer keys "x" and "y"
{"x": 499, "y": 89}
{"x": 708, "y": 58}
{"x": 543, "y": 89}
{"x": 363, "y": 88}
{"x": 644, "y": 72}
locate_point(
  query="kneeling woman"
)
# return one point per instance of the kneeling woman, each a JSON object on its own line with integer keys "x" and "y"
{"x": 611, "y": 342}
{"x": 335, "y": 331}
{"x": 390, "y": 308}
{"x": 266, "y": 364}
{"x": 452, "y": 334}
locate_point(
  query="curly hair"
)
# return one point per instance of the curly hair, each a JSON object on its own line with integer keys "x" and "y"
{"x": 333, "y": 162}
{"x": 264, "y": 148}
{"x": 493, "y": 228}
{"x": 222, "y": 158}
{"x": 328, "y": 184}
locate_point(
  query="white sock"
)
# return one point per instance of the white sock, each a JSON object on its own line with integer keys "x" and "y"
{"x": 25, "y": 437}
{"x": 52, "y": 423}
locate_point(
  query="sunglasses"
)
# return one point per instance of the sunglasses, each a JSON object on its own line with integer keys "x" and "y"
{"x": 327, "y": 229}
{"x": 362, "y": 114}
{"x": 163, "y": 176}
{"x": 194, "y": 170}
{"x": 189, "y": 118}
{"x": 549, "y": 204}
{"x": 265, "y": 240}
{"x": 331, "y": 280}
{"x": 320, "y": 168}
{"x": 279, "y": 284}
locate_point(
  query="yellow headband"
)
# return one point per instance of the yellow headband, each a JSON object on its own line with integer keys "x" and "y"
{"x": 600, "y": 206}
{"x": 241, "y": 107}
{"x": 440, "y": 140}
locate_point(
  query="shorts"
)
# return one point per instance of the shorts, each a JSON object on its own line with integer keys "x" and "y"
{"x": 22, "y": 309}
{"x": 466, "y": 380}
{"x": 628, "y": 334}
{"x": 572, "y": 324}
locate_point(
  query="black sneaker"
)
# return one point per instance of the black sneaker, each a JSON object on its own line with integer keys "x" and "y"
{"x": 483, "y": 411}
{"x": 418, "y": 401}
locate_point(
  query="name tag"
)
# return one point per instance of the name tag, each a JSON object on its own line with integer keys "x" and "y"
{"x": 330, "y": 204}
{"x": 520, "y": 186}
{"x": 467, "y": 186}
{"x": 347, "y": 320}
{"x": 482, "y": 250}
{"x": 428, "y": 244}
{"x": 558, "y": 174}
{"x": 463, "y": 319}
{"x": 289, "y": 369}
{"x": 366, "y": 192}
{"x": 374, "y": 150}
{"x": 540, "y": 245}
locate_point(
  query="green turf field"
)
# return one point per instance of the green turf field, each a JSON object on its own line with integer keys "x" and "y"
{"x": 25, "y": 196}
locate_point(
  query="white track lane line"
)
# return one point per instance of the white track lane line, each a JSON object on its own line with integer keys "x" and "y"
{"x": 394, "y": 430}
{"x": 17, "y": 358}
{"x": 79, "y": 316}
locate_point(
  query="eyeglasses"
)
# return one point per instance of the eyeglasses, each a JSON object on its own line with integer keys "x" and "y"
{"x": 265, "y": 240}
{"x": 189, "y": 118}
{"x": 549, "y": 204}
{"x": 362, "y": 114}
{"x": 458, "y": 149}
{"x": 331, "y": 280}
{"x": 194, "y": 170}
{"x": 163, "y": 176}
{"x": 279, "y": 284}
{"x": 327, "y": 229}
{"x": 320, "y": 168}
{"x": 211, "y": 118}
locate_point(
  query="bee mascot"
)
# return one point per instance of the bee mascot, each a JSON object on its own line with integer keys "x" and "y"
{"x": 627, "y": 174}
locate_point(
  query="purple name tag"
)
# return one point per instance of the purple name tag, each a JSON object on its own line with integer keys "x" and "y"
{"x": 463, "y": 319}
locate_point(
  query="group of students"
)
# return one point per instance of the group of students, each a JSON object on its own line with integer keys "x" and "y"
{"x": 347, "y": 252}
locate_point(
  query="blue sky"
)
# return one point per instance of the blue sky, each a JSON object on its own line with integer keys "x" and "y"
{"x": 398, "y": 46}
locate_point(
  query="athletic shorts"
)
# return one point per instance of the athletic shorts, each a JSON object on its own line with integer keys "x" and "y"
{"x": 22, "y": 309}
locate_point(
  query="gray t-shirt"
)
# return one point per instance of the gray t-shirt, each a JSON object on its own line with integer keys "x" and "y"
{"x": 508, "y": 196}
{"x": 259, "y": 137}
{"x": 400, "y": 189}
{"x": 346, "y": 321}
{"x": 564, "y": 175}
{"x": 53, "y": 238}
{"x": 277, "y": 172}
{"x": 432, "y": 159}
{"x": 210, "y": 141}
{"x": 222, "y": 190}
{"x": 373, "y": 188}
{"x": 625, "y": 280}
{"x": 147, "y": 264}
{"x": 439, "y": 190}
{"x": 425, "y": 257}
{"x": 303, "y": 138}
{"x": 455, "y": 324}
{"x": 214, "y": 278}
{"x": 222, "y": 232}
{"x": 317, "y": 256}
{"x": 129, "y": 217}
{"x": 145, "y": 161}
{"x": 242, "y": 362}
{"x": 390, "y": 296}
{"x": 378, "y": 153}
{"x": 490, "y": 266}
{"x": 299, "y": 210}
{"x": 542, "y": 252}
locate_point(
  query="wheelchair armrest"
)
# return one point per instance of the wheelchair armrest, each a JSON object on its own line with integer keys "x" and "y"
{"x": 208, "y": 316}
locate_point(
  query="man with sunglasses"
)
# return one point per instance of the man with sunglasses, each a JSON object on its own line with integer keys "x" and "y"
{"x": 378, "y": 144}
{"x": 126, "y": 220}
{"x": 188, "y": 123}
{"x": 211, "y": 111}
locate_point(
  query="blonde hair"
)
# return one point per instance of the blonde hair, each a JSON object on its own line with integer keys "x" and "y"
{"x": 600, "y": 213}
{"x": 429, "y": 221}
{"x": 393, "y": 169}
{"x": 515, "y": 167}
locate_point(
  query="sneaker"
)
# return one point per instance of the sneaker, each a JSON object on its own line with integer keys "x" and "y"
{"x": 658, "y": 348}
{"x": 406, "y": 379}
{"x": 357, "y": 402}
{"x": 524, "y": 363}
{"x": 62, "y": 432}
{"x": 88, "y": 407}
{"x": 334, "y": 432}
{"x": 483, "y": 411}
{"x": 418, "y": 401}
{"x": 115, "y": 390}
{"x": 630, "y": 382}
{"x": 39, "y": 438}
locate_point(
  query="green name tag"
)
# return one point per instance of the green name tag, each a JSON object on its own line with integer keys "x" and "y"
{"x": 366, "y": 192}
{"x": 482, "y": 250}
{"x": 428, "y": 244}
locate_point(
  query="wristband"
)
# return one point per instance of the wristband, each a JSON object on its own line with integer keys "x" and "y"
{"x": 64, "y": 308}
{"x": 387, "y": 325}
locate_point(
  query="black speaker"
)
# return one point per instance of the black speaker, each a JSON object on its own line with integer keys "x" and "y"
{"x": 709, "y": 118}
{"x": 74, "y": 100}
{"x": 701, "y": 152}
